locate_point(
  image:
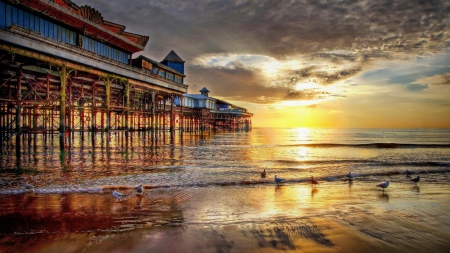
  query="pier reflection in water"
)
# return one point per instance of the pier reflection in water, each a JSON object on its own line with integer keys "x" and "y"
{"x": 205, "y": 193}
{"x": 84, "y": 156}
{"x": 83, "y": 212}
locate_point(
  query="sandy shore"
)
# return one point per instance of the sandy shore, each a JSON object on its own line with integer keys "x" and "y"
{"x": 295, "y": 217}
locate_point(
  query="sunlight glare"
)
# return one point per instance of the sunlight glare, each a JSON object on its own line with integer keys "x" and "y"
{"x": 303, "y": 135}
{"x": 307, "y": 86}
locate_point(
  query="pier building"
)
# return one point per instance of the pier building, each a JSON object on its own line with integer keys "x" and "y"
{"x": 65, "y": 68}
{"x": 214, "y": 113}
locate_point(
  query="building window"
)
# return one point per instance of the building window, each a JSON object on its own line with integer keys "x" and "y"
{"x": 178, "y": 79}
{"x": 102, "y": 49}
{"x": 12, "y": 15}
{"x": 161, "y": 73}
{"x": 170, "y": 76}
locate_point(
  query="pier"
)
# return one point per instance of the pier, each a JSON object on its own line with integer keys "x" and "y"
{"x": 65, "y": 69}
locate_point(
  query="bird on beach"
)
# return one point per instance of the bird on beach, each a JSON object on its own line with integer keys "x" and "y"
{"x": 28, "y": 186}
{"x": 263, "y": 174}
{"x": 350, "y": 175}
{"x": 140, "y": 189}
{"x": 278, "y": 179}
{"x": 118, "y": 194}
{"x": 313, "y": 181}
{"x": 383, "y": 185}
{"x": 408, "y": 173}
{"x": 415, "y": 180}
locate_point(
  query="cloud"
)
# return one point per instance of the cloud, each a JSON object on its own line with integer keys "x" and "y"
{"x": 416, "y": 87}
{"x": 301, "y": 77}
{"x": 262, "y": 51}
{"x": 436, "y": 80}
{"x": 281, "y": 28}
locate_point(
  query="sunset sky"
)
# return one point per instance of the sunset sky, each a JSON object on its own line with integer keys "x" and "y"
{"x": 307, "y": 63}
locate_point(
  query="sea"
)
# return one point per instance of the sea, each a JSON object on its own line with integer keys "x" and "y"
{"x": 208, "y": 186}
{"x": 90, "y": 162}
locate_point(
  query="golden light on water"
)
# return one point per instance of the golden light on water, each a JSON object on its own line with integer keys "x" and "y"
{"x": 303, "y": 135}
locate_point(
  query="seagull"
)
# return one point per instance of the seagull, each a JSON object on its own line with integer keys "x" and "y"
{"x": 263, "y": 174}
{"x": 28, "y": 186}
{"x": 278, "y": 180}
{"x": 415, "y": 180}
{"x": 140, "y": 189}
{"x": 350, "y": 175}
{"x": 383, "y": 185}
{"x": 313, "y": 181}
{"x": 118, "y": 194}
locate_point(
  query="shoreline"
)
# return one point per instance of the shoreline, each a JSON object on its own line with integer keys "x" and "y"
{"x": 332, "y": 217}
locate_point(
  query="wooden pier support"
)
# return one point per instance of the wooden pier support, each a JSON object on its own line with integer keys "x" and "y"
{"x": 108, "y": 103}
{"x": 19, "y": 103}
{"x": 63, "y": 74}
{"x": 63, "y": 99}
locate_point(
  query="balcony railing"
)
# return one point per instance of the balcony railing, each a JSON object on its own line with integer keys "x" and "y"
{"x": 19, "y": 30}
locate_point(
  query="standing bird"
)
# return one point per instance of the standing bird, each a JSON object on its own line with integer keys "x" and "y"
{"x": 415, "y": 180}
{"x": 350, "y": 176}
{"x": 408, "y": 173}
{"x": 28, "y": 186}
{"x": 383, "y": 185}
{"x": 140, "y": 189}
{"x": 118, "y": 194}
{"x": 278, "y": 180}
{"x": 263, "y": 174}
{"x": 313, "y": 181}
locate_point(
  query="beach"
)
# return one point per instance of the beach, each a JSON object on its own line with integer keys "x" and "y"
{"x": 207, "y": 195}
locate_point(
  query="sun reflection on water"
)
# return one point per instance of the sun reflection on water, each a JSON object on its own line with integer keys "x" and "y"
{"x": 303, "y": 135}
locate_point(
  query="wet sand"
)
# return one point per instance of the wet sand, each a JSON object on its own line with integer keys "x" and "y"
{"x": 335, "y": 216}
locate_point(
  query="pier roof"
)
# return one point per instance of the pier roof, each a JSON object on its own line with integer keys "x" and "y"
{"x": 160, "y": 65}
{"x": 197, "y": 96}
{"x": 222, "y": 102}
{"x": 88, "y": 20}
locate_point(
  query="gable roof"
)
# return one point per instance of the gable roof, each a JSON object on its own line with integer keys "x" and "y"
{"x": 204, "y": 90}
{"x": 173, "y": 57}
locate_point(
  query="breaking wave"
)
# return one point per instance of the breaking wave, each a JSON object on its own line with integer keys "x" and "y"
{"x": 107, "y": 189}
{"x": 369, "y": 145}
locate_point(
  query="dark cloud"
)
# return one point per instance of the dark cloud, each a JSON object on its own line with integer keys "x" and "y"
{"x": 307, "y": 94}
{"x": 281, "y": 29}
{"x": 236, "y": 84}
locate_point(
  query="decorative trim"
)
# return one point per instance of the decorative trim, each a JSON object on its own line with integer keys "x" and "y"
{"x": 91, "y": 14}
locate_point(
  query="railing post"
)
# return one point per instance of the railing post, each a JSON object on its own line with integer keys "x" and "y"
{"x": 108, "y": 103}
{"x": 172, "y": 116}
{"x": 62, "y": 111}
{"x": 127, "y": 109}
{"x": 181, "y": 118}
{"x": 19, "y": 103}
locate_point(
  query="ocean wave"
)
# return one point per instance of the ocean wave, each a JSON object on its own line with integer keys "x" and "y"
{"x": 361, "y": 161}
{"x": 370, "y": 145}
{"x": 107, "y": 189}
{"x": 53, "y": 190}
